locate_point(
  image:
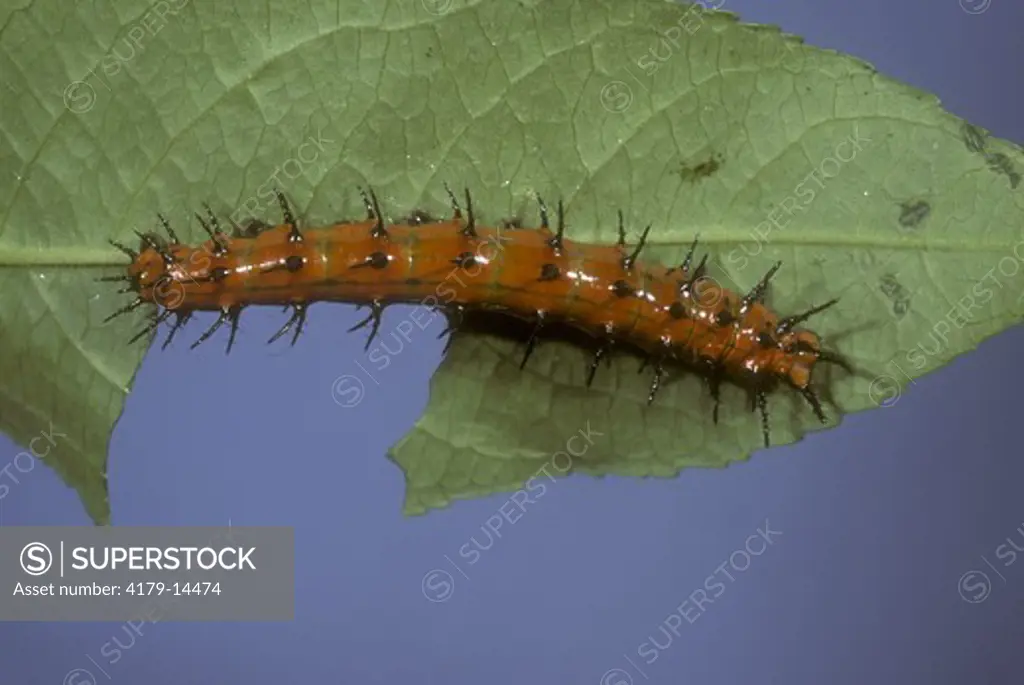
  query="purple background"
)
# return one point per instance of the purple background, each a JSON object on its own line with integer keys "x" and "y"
{"x": 880, "y": 518}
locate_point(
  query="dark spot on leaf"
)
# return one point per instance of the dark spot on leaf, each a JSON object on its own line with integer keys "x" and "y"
{"x": 701, "y": 170}
{"x": 974, "y": 137}
{"x": 896, "y": 293}
{"x": 1000, "y": 163}
{"x": 913, "y": 212}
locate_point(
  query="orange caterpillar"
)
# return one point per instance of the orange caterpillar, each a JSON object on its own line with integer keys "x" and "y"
{"x": 673, "y": 314}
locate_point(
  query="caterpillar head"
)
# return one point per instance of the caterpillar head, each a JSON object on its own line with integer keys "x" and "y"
{"x": 162, "y": 268}
{"x": 151, "y": 263}
{"x": 801, "y": 350}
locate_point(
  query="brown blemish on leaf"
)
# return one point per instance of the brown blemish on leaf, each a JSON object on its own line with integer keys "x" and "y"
{"x": 701, "y": 170}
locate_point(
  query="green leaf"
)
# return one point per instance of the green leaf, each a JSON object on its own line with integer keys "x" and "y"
{"x": 115, "y": 112}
